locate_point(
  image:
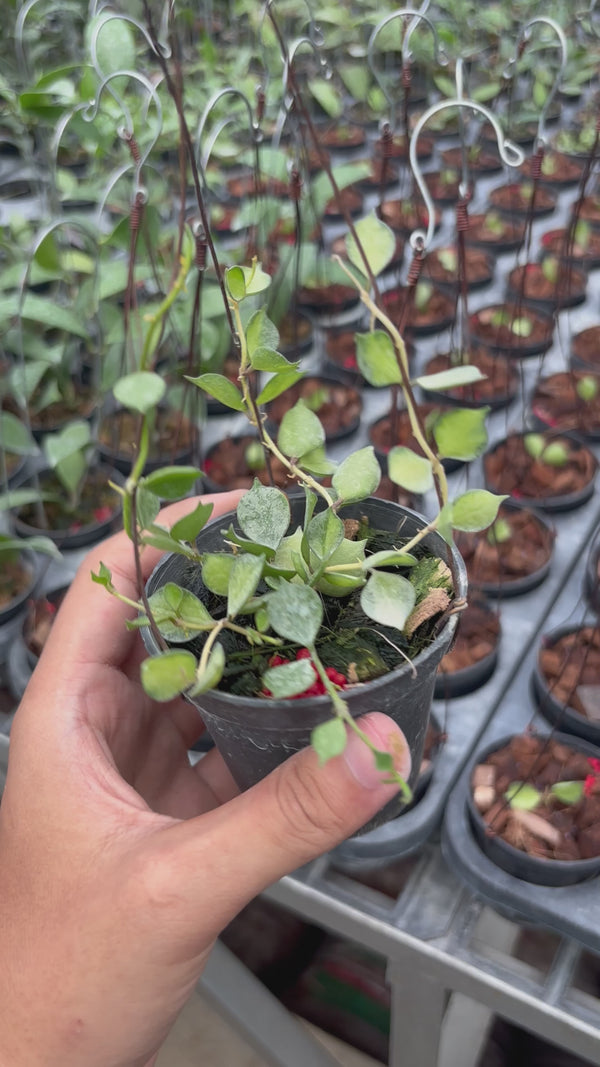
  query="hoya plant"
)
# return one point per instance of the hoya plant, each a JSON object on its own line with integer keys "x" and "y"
{"x": 268, "y": 598}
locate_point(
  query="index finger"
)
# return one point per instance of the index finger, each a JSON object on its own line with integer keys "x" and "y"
{"x": 91, "y": 624}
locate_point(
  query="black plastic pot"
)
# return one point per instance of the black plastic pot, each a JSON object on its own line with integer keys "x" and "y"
{"x": 454, "y": 684}
{"x": 570, "y": 298}
{"x": 123, "y": 461}
{"x": 534, "y": 869}
{"x": 577, "y": 363}
{"x": 21, "y": 660}
{"x": 89, "y": 534}
{"x": 519, "y": 347}
{"x": 256, "y": 735}
{"x": 330, "y": 382}
{"x": 563, "y": 502}
{"x": 449, "y": 465}
{"x": 33, "y": 563}
{"x": 519, "y": 586}
{"x": 591, "y": 579}
{"x": 496, "y": 402}
{"x": 565, "y": 718}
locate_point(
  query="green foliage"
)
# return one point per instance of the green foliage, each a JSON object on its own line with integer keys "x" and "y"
{"x": 388, "y": 599}
{"x": 289, "y": 679}
{"x": 475, "y": 510}
{"x": 357, "y": 476}
{"x": 300, "y": 431}
{"x": 378, "y": 242}
{"x": 461, "y": 433}
{"x": 141, "y": 391}
{"x": 376, "y": 359}
{"x": 329, "y": 739}
{"x": 167, "y": 675}
{"x": 264, "y": 515}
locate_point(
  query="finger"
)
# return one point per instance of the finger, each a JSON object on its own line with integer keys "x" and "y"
{"x": 103, "y": 638}
{"x": 294, "y": 815}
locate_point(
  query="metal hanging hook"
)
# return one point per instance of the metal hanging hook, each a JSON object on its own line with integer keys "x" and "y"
{"x": 126, "y": 132}
{"x": 510, "y": 154}
{"x": 417, "y": 16}
{"x": 257, "y": 134}
{"x": 24, "y": 12}
{"x": 522, "y": 39}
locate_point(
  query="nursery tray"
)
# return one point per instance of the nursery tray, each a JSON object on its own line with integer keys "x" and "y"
{"x": 571, "y": 910}
{"x": 465, "y": 718}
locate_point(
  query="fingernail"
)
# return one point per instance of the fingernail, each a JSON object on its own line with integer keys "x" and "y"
{"x": 387, "y": 737}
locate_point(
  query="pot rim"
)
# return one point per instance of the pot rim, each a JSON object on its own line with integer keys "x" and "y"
{"x": 232, "y": 700}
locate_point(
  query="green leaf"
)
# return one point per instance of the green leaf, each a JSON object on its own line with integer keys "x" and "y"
{"x": 261, "y": 332}
{"x": 567, "y": 792}
{"x": 178, "y": 613}
{"x": 221, "y": 388}
{"x": 171, "y": 483}
{"x": 272, "y": 362}
{"x": 329, "y": 739}
{"x": 236, "y": 283}
{"x": 324, "y": 533}
{"x": 211, "y": 676}
{"x": 278, "y": 385}
{"x": 341, "y": 583}
{"x": 35, "y": 543}
{"x": 289, "y": 679}
{"x": 256, "y": 280}
{"x": 115, "y": 44}
{"x": 461, "y": 434}
{"x": 378, "y": 242}
{"x": 188, "y": 528}
{"x": 412, "y": 472}
{"x": 283, "y": 560}
{"x": 534, "y": 444}
{"x": 384, "y": 762}
{"x": 165, "y": 676}
{"x": 300, "y": 431}
{"x": 140, "y": 391}
{"x": 522, "y": 796}
{"x": 295, "y": 612}
{"x": 42, "y": 312}
{"x": 216, "y": 572}
{"x": 376, "y": 359}
{"x": 147, "y": 507}
{"x": 327, "y": 97}
{"x": 264, "y": 514}
{"x": 66, "y": 442}
{"x": 46, "y": 253}
{"x": 388, "y": 599}
{"x": 246, "y": 573}
{"x": 20, "y": 498}
{"x": 248, "y": 546}
{"x": 158, "y": 537}
{"x": 316, "y": 462}
{"x": 357, "y": 476}
{"x": 450, "y": 379}
{"x": 15, "y": 437}
{"x": 389, "y": 557}
{"x": 475, "y": 510}
{"x": 103, "y": 578}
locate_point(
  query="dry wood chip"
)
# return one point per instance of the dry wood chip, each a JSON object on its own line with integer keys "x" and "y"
{"x": 589, "y": 696}
{"x": 484, "y": 774}
{"x": 537, "y": 826}
{"x": 437, "y": 600}
{"x": 483, "y": 797}
{"x": 351, "y": 528}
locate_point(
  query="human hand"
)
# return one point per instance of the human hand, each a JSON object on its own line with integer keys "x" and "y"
{"x": 120, "y": 862}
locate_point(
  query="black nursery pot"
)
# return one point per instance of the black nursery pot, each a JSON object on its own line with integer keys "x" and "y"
{"x": 254, "y": 736}
{"x": 591, "y": 578}
{"x": 534, "y": 869}
{"x": 554, "y": 710}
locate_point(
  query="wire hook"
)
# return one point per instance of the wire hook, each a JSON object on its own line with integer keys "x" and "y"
{"x": 522, "y": 39}
{"x": 416, "y": 16}
{"x": 510, "y": 155}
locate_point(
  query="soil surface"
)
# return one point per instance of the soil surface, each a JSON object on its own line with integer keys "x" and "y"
{"x": 556, "y": 243}
{"x": 493, "y": 562}
{"x": 350, "y": 200}
{"x": 399, "y": 147}
{"x": 404, "y": 216}
{"x": 380, "y": 433}
{"x": 337, "y": 406}
{"x": 479, "y": 266}
{"x": 502, "y": 377}
{"x": 571, "y": 669}
{"x": 557, "y": 169}
{"x": 383, "y": 172}
{"x": 15, "y": 578}
{"x": 342, "y": 137}
{"x": 295, "y": 331}
{"x": 437, "y": 313}
{"x": 477, "y": 636}
{"x": 39, "y": 620}
{"x": 328, "y": 298}
{"x": 494, "y": 327}
{"x": 443, "y": 185}
{"x": 515, "y": 199}
{"x": 97, "y": 503}
{"x": 566, "y": 831}
{"x": 172, "y": 434}
{"x": 226, "y": 465}
{"x": 531, "y": 283}
{"x": 503, "y": 235}
{"x": 585, "y": 346}
{"x": 478, "y": 161}
{"x": 558, "y": 405}
{"x": 241, "y": 188}
{"x": 510, "y": 469}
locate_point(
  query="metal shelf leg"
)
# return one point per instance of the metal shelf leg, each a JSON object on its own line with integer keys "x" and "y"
{"x": 254, "y": 1012}
{"x": 419, "y": 1003}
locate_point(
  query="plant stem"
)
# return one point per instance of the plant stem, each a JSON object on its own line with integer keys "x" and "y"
{"x": 256, "y": 418}
{"x": 343, "y": 712}
{"x": 157, "y": 318}
{"x": 210, "y": 640}
{"x": 376, "y": 313}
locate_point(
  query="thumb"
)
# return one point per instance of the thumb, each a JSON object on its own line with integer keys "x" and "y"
{"x": 299, "y": 811}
